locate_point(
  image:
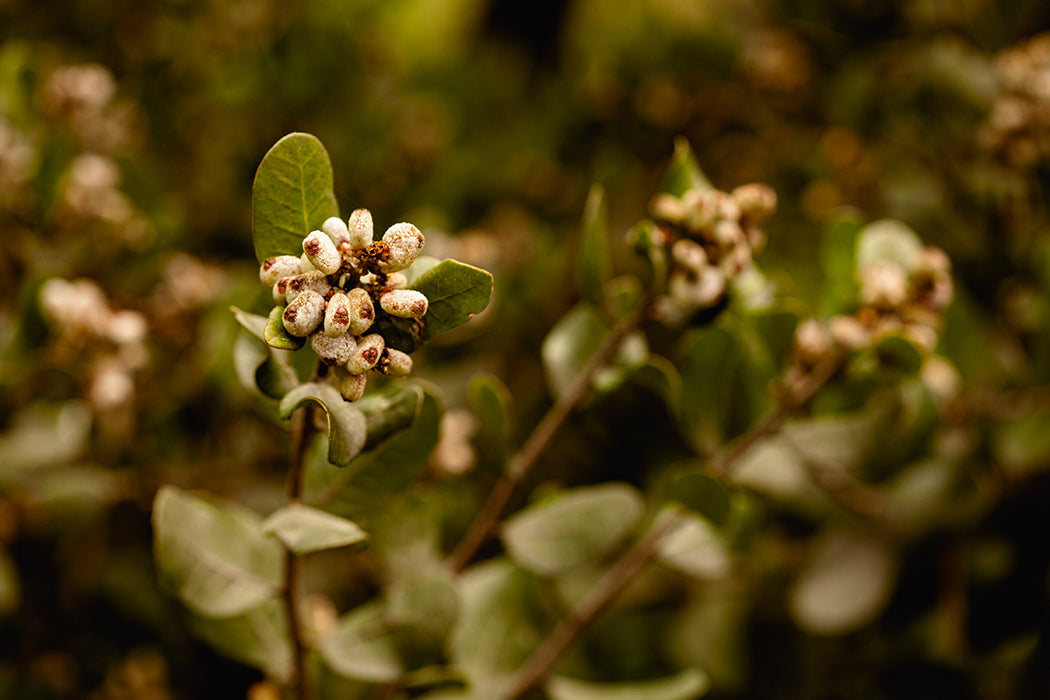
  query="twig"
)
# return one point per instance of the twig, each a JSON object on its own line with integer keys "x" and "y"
{"x": 522, "y": 462}
{"x": 597, "y": 601}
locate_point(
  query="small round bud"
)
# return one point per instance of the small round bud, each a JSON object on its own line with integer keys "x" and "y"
{"x": 369, "y": 350}
{"x": 665, "y": 207}
{"x": 280, "y": 290}
{"x": 360, "y": 228}
{"x": 812, "y": 341}
{"x": 333, "y": 351}
{"x": 883, "y": 285}
{"x": 336, "y": 229}
{"x": 756, "y": 201}
{"x": 395, "y": 280}
{"x": 351, "y": 386}
{"x": 395, "y": 363}
{"x": 725, "y": 206}
{"x": 304, "y": 264}
{"x": 315, "y": 281}
{"x": 700, "y": 207}
{"x": 404, "y": 303}
{"x": 337, "y": 315}
{"x": 849, "y": 332}
{"x": 921, "y": 336}
{"x": 275, "y": 268}
{"x": 689, "y": 254}
{"x": 126, "y": 327}
{"x": 362, "y": 312}
{"x": 402, "y": 244}
{"x": 322, "y": 253}
{"x": 728, "y": 234}
{"x": 697, "y": 290}
{"x": 304, "y": 314}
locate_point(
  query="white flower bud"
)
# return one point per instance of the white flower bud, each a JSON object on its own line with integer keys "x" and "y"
{"x": 321, "y": 252}
{"x": 336, "y": 229}
{"x": 697, "y": 290}
{"x": 849, "y": 332}
{"x": 728, "y": 234}
{"x": 362, "y": 313}
{"x": 690, "y": 254}
{"x": 402, "y": 243}
{"x": 337, "y": 315}
{"x": 756, "y": 201}
{"x": 404, "y": 303}
{"x": 812, "y": 341}
{"x": 883, "y": 284}
{"x": 333, "y": 351}
{"x": 933, "y": 260}
{"x": 395, "y": 363}
{"x": 360, "y": 228}
{"x": 369, "y": 350}
{"x": 667, "y": 207}
{"x": 274, "y": 269}
{"x": 395, "y": 280}
{"x": 726, "y": 207}
{"x": 700, "y": 208}
{"x": 126, "y": 327}
{"x": 922, "y": 337}
{"x": 352, "y": 386}
{"x": 940, "y": 376}
{"x": 315, "y": 281}
{"x": 304, "y": 314}
{"x": 280, "y": 290}
{"x": 305, "y": 265}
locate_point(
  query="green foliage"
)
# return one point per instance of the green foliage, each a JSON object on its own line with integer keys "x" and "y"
{"x": 303, "y": 529}
{"x": 456, "y": 292}
{"x": 292, "y": 195}
{"x": 687, "y": 685}
{"x": 683, "y": 173}
{"x": 595, "y": 259}
{"x": 347, "y": 427}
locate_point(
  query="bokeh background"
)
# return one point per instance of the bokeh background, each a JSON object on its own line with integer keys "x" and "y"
{"x": 129, "y": 135}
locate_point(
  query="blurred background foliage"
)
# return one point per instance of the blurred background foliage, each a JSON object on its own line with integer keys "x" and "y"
{"x": 129, "y": 135}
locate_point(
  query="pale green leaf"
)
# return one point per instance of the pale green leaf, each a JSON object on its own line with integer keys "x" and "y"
{"x": 390, "y": 412}
{"x": 491, "y": 402}
{"x": 887, "y": 239}
{"x": 456, "y": 291}
{"x": 257, "y": 637}
{"x": 574, "y": 527}
{"x": 595, "y": 263}
{"x": 253, "y": 323}
{"x": 362, "y": 647}
{"x": 689, "y": 684}
{"x": 696, "y": 547}
{"x": 701, "y": 493}
{"x": 683, "y": 172}
{"x": 347, "y": 428}
{"x": 838, "y": 264}
{"x": 276, "y": 335}
{"x": 303, "y": 529}
{"x": 292, "y": 195}
{"x": 212, "y": 554}
{"x": 422, "y": 612}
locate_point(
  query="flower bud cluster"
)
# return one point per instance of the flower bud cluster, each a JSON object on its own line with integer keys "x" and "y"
{"x": 1018, "y": 126}
{"x": 712, "y": 236}
{"x": 344, "y": 282}
{"x": 894, "y": 297}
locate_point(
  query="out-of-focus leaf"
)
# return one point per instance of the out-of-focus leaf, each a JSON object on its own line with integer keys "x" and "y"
{"x": 362, "y": 647}
{"x": 379, "y": 476}
{"x": 347, "y": 428}
{"x": 695, "y": 547}
{"x": 1021, "y": 445}
{"x": 456, "y": 291}
{"x": 303, "y": 529}
{"x": 701, "y": 493}
{"x": 261, "y": 369}
{"x": 683, "y": 172}
{"x": 887, "y": 239}
{"x": 595, "y": 263}
{"x": 212, "y": 554}
{"x": 500, "y": 622}
{"x": 292, "y": 195}
{"x": 43, "y": 435}
{"x": 575, "y": 338}
{"x": 776, "y": 327}
{"x": 492, "y": 403}
{"x": 574, "y": 527}
{"x": 689, "y": 684}
{"x": 390, "y": 412}
{"x": 845, "y": 584}
{"x": 709, "y": 362}
{"x": 421, "y": 612}
{"x": 623, "y": 295}
{"x": 711, "y": 630}
{"x": 660, "y": 375}
{"x": 646, "y": 239}
{"x": 257, "y": 637}
{"x": 897, "y": 351}
{"x": 276, "y": 335}
{"x": 253, "y": 323}
{"x": 838, "y": 264}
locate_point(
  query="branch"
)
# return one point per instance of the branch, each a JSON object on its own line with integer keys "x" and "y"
{"x": 521, "y": 463}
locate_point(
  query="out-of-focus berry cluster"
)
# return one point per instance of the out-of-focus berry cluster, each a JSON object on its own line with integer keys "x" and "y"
{"x": 712, "y": 236}
{"x": 335, "y": 291}
{"x": 1018, "y": 128}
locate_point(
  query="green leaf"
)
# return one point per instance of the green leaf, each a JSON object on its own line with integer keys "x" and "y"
{"x": 701, "y": 493}
{"x": 710, "y": 361}
{"x": 376, "y": 477}
{"x": 263, "y": 370}
{"x": 895, "y": 350}
{"x": 623, "y": 295}
{"x": 362, "y": 647}
{"x": 276, "y": 336}
{"x": 292, "y": 195}
{"x": 887, "y": 239}
{"x": 390, "y": 412}
{"x": 492, "y": 403}
{"x": 595, "y": 263}
{"x": 347, "y": 429}
{"x": 212, "y": 554}
{"x": 456, "y": 291}
{"x": 683, "y": 172}
{"x": 838, "y": 264}
{"x": 257, "y": 637}
{"x": 303, "y": 529}
{"x": 421, "y": 612}
{"x": 574, "y": 527}
{"x": 687, "y": 685}
{"x": 575, "y": 338}
{"x": 253, "y": 323}
{"x": 661, "y": 376}
{"x": 695, "y": 547}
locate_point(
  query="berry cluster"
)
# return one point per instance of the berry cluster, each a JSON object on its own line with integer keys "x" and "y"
{"x": 712, "y": 236}
{"x": 1018, "y": 127}
{"x": 334, "y": 291}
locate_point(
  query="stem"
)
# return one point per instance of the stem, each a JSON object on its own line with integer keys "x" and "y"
{"x": 596, "y": 602}
{"x": 522, "y": 462}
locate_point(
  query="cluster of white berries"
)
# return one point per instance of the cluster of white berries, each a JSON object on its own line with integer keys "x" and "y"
{"x": 712, "y": 236}
{"x": 1018, "y": 127}
{"x": 333, "y": 292}
{"x": 895, "y": 296}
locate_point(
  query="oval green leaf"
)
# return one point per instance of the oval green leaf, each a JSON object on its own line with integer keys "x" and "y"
{"x": 690, "y": 684}
{"x": 303, "y": 529}
{"x": 292, "y": 195}
{"x": 347, "y": 428}
{"x": 595, "y": 264}
{"x": 276, "y": 336}
{"x": 683, "y": 172}
{"x": 456, "y": 291}
{"x": 362, "y": 647}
